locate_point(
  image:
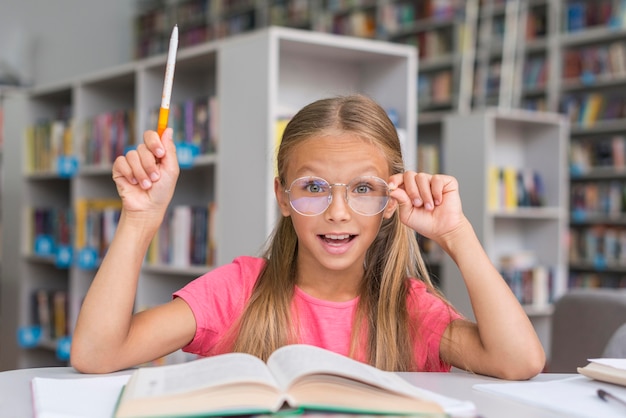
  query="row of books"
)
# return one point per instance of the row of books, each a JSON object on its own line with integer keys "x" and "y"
{"x": 107, "y": 136}
{"x": 48, "y": 229}
{"x": 96, "y": 222}
{"x": 596, "y": 62}
{"x": 587, "y": 109}
{"x": 535, "y": 72}
{"x": 599, "y": 246}
{"x": 584, "y": 14}
{"x": 431, "y": 44}
{"x": 194, "y": 121}
{"x": 50, "y": 144}
{"x": 50, "y": 313}
{"x": 598, "y": 198}
{"x": 185, "y": 238}
{"x": 357, "y": 22}
{"x": 580, "y": 279}
{"x": 198, "y": 21}
{"x": 46, "y": 141}
{"x": 512, "y": 187}
{"x": 292, "y": 13}
{"x": 589, "y": 153}
{"x": 396, "y": 16}
{"x": 435, "y": 87}
{"x": 531, "y": 282}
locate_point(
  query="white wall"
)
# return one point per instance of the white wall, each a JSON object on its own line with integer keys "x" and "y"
{"x": 50, "y": 41}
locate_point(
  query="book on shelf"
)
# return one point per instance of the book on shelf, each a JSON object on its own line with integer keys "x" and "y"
{"x": 49, "y": 311}
{"x": 511, "y": 188}
{"x": 610, "y": 370}
{"x": 194, "y": 122}
{"x": 531, "y": 282}
{"x": 300, "y": 377}
{"x": 185, "y": 237}
{"x": 96, "y": 222}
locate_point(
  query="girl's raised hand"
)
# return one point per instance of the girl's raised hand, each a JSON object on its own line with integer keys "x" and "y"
{"x": 428, "y": 204}
{"x": 146, "y": 177}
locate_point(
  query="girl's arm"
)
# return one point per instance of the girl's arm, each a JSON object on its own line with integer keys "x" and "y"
{"x": 108, "y": 336}
{"x": 502, "y": 342}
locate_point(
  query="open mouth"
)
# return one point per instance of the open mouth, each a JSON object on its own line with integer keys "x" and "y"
{"x": 337, "y": 239}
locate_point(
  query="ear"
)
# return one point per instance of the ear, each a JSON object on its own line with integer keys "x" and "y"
{"x": 390, "y": 209}
{"x": 281, "y": 198}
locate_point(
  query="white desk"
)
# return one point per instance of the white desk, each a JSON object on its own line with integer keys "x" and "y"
{"x": 15, "y": 394}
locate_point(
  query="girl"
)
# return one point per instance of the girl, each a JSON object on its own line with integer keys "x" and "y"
{"x": 341, "y": 271}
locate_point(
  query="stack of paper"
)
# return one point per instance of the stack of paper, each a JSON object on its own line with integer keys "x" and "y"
{"x": 575, "y": 396}
{"x": 612, "y": 370}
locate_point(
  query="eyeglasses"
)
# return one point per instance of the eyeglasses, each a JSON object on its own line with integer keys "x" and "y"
{"x": 366, "y": 195}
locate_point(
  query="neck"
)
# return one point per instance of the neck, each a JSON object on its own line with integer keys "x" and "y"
{"x": 331, "y": 285}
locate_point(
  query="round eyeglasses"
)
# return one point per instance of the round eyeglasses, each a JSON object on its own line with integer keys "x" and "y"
{"x": 366, "y": 195}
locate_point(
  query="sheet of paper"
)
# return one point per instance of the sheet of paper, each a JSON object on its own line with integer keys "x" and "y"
{"x": 86, "y": 397}
{"x": 618, "y": 363}
{"x": 572, "y": 396}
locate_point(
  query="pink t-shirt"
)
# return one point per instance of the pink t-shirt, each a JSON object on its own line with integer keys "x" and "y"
{"x": 218, "y": 298}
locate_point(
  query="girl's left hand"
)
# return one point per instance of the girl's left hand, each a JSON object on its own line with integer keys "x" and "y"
{"x": 429, "y": 204}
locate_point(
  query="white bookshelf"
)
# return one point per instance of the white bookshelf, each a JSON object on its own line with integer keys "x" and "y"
{"x": 474, "y": 143}
{"x": 257, "y": 77}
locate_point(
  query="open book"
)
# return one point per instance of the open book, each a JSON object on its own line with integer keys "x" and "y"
{"x": 611, "y": 370}
{"x": 295, "y": 376}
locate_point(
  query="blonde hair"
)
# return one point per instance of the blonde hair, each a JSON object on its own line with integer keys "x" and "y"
{"x": 382, "y": 317}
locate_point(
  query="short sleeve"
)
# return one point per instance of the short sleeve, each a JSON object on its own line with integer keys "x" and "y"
{"x": 432, "y": 316}
{"x": 217, "y": 300}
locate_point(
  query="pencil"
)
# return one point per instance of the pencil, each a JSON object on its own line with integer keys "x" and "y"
{"x": 164, "y": 111}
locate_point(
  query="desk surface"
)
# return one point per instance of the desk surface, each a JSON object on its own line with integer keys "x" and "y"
{"x": 15, "y": 394}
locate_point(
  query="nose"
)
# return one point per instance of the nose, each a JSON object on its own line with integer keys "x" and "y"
{"x": 338, "y": 208}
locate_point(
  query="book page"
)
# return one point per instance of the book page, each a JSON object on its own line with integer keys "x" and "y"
{"x": 616, "y": 363}
{"x": 198, "y": 374}
{"x": 293, "y": 362}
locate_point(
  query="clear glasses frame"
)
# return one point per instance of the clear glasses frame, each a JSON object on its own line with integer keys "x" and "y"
{"x": 365, "y": 195}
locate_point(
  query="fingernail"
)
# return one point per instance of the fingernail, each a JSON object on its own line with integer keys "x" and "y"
{"x": 159, "y": 152}
{"x": 428, "y": 206}
{"x": 133, "y": 180}
{"x": 146, "y": 184}
{"x": 417, "y": 202}
{"x": 154, "y": 176}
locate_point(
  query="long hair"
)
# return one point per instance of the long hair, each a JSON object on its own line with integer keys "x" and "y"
{"x": 382, "y": 319}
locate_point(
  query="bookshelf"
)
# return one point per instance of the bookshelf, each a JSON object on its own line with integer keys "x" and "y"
{"x": 257, "y": 78}
{"x": 522, "y": 223}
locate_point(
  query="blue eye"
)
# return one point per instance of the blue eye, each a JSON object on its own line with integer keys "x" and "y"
{"x": 316, "y": 186}
{"x": 362, "y": 188}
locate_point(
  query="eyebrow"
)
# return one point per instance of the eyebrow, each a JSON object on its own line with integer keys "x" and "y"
{"x": 369, "y": 170}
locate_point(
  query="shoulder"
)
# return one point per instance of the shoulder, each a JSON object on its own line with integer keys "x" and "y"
{"x": 240, "y": 274}
{"x": 423, "y": 299}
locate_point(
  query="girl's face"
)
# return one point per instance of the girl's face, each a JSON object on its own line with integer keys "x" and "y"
{"x": 336, "y": 240}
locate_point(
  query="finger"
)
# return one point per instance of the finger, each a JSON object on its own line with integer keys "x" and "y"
{"x": 437, "y": 186}
{"x": 121, "y": 169}
{"x": 153, "y": 143}
{"x": 139, "y": 173}
{"x": 412, "y": 189}
{"x": 169, "y": 161}
{"x": 395, "y": 181}
{"x": 149, "y": 163}
{"x": 424, "y": 185}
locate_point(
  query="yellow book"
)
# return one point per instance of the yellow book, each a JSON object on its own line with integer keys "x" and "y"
{"x": 82, "y": 207}
{"x": 493, "y": 188}
{"x": 510, "y": 187}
